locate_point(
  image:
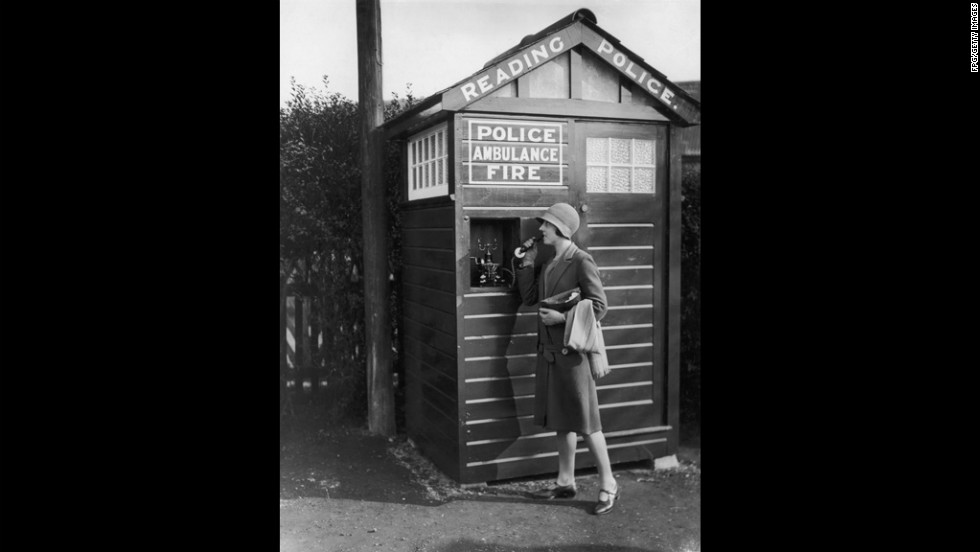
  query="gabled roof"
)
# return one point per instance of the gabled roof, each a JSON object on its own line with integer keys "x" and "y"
{"x": 690, "y": 137}
{"x": 578, "y": 28}
{"x": 693, "y": 88}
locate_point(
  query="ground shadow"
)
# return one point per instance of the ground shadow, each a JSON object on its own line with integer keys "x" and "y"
{"x": 525, "y": 498}
{"x": 350, "y": 463}
{"x": 345, "y": 461}
{"x": 468, "y": 545}
{"x": 320, "y": 460}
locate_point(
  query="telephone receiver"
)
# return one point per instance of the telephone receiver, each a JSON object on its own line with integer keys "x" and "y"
{"x": 520, "y": 251}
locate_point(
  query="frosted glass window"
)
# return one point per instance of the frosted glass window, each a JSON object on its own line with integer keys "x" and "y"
{"x": 643, "y": 152}
{"x": 598, "y": 150}
{"x": 427, "y": 164}
{"x": 620, "y": 165}
{"x": 619, "y": 180}
{"x": 643, "y": 180}
{"x": 620, "y": 150}
{"x": 596, "y": 179}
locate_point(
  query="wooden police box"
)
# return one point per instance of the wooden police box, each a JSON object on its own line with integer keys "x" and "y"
{"x": 568, "y": 115}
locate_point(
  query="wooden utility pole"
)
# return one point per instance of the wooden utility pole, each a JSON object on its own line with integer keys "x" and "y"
{"x": 381, "y": 396}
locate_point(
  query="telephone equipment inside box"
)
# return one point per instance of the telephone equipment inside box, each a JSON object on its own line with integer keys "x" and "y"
{"x": 492, "y": 243}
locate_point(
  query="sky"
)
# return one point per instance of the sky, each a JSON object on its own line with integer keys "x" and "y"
{"x": 432, "y": 44}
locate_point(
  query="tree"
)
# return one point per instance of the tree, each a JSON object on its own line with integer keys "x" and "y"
{"x": 320, "y": 255}
{"x": 691, "y": 295}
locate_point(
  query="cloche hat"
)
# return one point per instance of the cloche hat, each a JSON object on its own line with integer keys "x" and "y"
{"x": 563, "y": 216}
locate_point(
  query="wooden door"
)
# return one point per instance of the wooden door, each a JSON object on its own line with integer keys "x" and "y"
{"x": 617, "y": 184}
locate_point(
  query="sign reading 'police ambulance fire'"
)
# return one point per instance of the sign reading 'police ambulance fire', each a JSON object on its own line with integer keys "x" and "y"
{"x": 514, "y": 152}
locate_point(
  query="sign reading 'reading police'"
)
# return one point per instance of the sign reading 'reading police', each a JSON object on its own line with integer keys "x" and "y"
{"x": 527, "y": 59}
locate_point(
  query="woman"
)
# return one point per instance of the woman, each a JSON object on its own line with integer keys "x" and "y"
{"x": 565, "y": 397}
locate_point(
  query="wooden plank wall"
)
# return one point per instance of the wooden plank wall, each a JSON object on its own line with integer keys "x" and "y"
{"x": 498, "y": 367}
{"x": 499, "y": 337}
{"x": 429, "y": 322}
{"x": 673, "y": 291}
{"x": 623, "y": 238}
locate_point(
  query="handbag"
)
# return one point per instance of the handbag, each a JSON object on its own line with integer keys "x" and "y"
{"x": 563, "y": 301}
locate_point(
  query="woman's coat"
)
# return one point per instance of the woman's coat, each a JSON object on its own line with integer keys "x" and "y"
{"x": 565, "y": 396}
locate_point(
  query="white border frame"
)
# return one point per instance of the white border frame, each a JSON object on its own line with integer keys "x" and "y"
{"x": 561, "y": 153}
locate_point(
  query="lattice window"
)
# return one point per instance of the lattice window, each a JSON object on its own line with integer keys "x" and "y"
{"x": 427, "y": 156}
{"x": 620, "y": 165}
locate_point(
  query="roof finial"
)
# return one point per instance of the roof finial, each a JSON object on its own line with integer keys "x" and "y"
{"x": 584, "y": 14}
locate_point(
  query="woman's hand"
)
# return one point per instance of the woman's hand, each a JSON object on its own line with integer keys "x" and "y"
{"x": 529, "y": 257}
{"x": 598, "y": 372}
{"x": 550, "y": 317}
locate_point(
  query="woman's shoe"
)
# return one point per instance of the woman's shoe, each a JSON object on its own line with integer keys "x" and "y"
{"x": 558, "y": 491}
{"x": 606, "y": 506}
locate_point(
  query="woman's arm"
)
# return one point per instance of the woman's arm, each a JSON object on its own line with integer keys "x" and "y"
{"x": 527, "y": 284}
{"x": 590, "y": 283}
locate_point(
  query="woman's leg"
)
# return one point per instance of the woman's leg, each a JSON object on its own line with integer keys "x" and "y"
{"x": 566, "y": 457}
{"x": 597, "y": 444}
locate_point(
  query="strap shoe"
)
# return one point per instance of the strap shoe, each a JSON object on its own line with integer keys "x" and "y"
{"x": 558, "y": 491}
{"x": 606, "y": 506}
